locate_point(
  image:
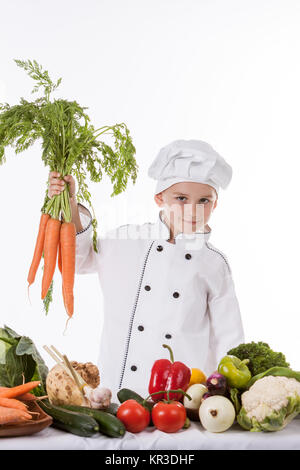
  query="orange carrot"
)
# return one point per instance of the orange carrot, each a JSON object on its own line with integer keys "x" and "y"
{"x": 30, "y": 397}
{"x": 27, "y": 397}
{"x": 12, "y": 403}
{"x": 38, "y": 251}
{"x": 59, "y": 262}
{"x": 68, "y": 241}
{"x": 64, "y": 296}
{"x": 11, "y": 415}
{"x": 19, "y": 389}
{"x": 50, "y": 253}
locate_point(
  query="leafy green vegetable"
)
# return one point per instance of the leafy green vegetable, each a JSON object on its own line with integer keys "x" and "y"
{"x": 6, "y": 341}
{"x": 15, "y": 367}
{"x": 261, "y": 356}
{"x": 70, "y": 145}
{"x": 235, "y": 396}
{"x": 27, "y": 347}
{"x": 20, "y": 361}
{"x": 276, "y": 371}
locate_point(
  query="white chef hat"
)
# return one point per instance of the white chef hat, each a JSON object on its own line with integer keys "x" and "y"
{"x": 189, "y": 160}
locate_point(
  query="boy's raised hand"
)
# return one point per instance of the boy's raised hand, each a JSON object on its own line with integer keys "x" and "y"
{"x": 57, "y": 184}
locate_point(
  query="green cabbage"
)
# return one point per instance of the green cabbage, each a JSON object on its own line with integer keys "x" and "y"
{"x": 275, "y": 421}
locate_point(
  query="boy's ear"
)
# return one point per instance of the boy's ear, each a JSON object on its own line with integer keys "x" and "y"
{"x": 158, "y": 199}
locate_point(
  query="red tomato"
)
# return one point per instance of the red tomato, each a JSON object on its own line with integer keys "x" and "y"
{"x": 133, "y": 415}
{"x": 168, "y": 417}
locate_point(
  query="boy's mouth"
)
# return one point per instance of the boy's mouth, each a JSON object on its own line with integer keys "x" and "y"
{"x": 190, "y": 221}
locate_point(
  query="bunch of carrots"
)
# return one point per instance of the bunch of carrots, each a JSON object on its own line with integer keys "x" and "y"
{"x": 12, "y": 410}
{"x": 71, "y": 145}
{"x": 56, "y": 242}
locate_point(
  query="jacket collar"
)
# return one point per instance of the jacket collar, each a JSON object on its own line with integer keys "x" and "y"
{"x": 162, "y": 230}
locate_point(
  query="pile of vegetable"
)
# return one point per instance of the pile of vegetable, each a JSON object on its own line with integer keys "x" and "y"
{"x": 72, "y": 394}
{"x": 211, "y": 404}
{"x": 21, "y": 362}
{"x": 176, "y": 397}
{"x": 68, "y": 385}
{"x": 70, "y": 145}
{"x": 137, "y": 412}
{"x": 267, "y": 401}
{"x": 22, "y": 370}
{"x": 76, "y": 401}
{"x": 13, "y": 410}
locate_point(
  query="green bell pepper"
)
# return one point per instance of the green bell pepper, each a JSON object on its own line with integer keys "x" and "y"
{"x": 235, "y": 371}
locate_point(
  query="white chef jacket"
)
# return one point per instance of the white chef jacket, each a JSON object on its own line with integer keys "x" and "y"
{"x": 154, "y": 293}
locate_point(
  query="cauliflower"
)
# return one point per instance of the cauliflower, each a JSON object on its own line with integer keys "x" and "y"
{"x": 270, "y": 404}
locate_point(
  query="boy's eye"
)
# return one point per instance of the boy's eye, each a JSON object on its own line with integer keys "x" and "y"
{"x": 202, "y": 200}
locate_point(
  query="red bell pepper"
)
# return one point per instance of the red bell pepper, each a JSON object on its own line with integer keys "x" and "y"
{"x": 169, "y": 375}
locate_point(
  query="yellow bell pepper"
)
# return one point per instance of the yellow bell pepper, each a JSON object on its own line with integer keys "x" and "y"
{"x": 197, "y": 376}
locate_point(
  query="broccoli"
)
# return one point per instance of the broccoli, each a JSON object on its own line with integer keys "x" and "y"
{"x": 261, "y": 356}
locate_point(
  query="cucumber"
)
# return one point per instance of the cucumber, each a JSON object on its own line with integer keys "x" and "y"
{"x": 127, "y": 394}
{"x": 70, "y": 421}
{"x": 112, "y": 409}
{"x": 108, "y": 424}
{"x": 70, "y": 428}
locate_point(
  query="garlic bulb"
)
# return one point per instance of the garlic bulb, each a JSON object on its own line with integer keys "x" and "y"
{"x": 99, "y": 397}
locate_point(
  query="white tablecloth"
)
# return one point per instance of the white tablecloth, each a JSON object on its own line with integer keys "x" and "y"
{"x": 193, "y": 438}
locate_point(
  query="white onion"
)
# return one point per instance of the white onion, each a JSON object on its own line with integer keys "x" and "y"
{"x": 216, "y": 413}
{"x": 196, "y": 392}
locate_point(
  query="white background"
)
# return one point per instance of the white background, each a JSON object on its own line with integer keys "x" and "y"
{"x": 227, "y": 72}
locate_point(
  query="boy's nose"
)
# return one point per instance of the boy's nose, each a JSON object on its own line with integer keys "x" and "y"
{"x": 193, "y": 212}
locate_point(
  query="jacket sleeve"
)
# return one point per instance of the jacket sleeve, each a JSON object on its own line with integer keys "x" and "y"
{"x": 226, "y": 328}
{"x": 86, "y": 257}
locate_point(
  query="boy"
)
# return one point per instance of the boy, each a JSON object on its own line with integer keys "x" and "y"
{"x": 167, "y": 283}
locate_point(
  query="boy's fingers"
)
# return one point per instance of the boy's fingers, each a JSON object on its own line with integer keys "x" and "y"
{"x": 56, "y": 181}
{"x": 55, "y": 187}
{"x": 68, "y": 178}
{"x": 54, "y": 174}
{"x": 53, "y": 178}
{"x": 54, "y": 191}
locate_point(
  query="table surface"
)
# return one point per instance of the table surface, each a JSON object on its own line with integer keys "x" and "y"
{"x": 193, "y": 438}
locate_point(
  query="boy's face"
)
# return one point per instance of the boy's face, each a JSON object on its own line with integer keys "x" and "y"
{"x": 187, "y": 206}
